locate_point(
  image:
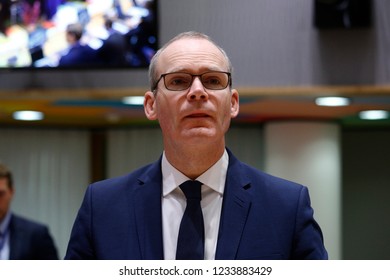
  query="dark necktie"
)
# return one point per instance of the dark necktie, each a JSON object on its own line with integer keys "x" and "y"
{"x": 190, "y": 243}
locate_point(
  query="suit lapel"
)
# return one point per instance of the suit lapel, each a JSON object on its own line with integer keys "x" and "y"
{"x": 14, "y": 249}
{"x": 147, "y": 210}
{"x": 236, "y": 204}
{"x": 16, "y": 239}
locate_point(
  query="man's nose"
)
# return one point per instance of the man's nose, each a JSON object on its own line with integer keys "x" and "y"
{"x": 197, "y": 90}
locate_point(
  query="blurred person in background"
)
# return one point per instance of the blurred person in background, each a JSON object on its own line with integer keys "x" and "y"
{"x": 21, "y": 239}
{"x": 113, "y": 50}
{"x": 78, "y": 54}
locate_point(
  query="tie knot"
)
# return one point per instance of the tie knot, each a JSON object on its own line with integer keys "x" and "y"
{"x": 192, "y": 189}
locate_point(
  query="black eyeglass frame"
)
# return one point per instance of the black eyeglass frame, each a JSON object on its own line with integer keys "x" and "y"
{"x": 162, "y": 76}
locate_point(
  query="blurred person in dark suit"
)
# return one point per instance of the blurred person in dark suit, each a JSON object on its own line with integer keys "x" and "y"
{"x": 142, "y": 39}
{"x": 113, "y": 50}
{"x": 5, "y": 15}
{"x": 78, "y": 54}
{"x": 20, "y": 238}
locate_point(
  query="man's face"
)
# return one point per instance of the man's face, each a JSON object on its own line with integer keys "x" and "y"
{"x": 196, "y": 115}
{"x": 5, "y": 197}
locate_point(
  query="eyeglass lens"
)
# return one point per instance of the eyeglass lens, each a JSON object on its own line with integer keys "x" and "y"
{"x": 182, "y": 81}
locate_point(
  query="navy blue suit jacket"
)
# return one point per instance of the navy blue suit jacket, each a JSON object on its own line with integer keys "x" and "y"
{"x": 263, "y": 217}
{"x": 30, "y": 240}
{"x": 79, "y": 56}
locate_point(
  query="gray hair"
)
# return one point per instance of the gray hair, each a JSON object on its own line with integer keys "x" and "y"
{"x": 190, "y": 34}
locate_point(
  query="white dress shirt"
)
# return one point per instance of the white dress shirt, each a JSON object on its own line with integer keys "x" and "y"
{"x": 174, "y": 203}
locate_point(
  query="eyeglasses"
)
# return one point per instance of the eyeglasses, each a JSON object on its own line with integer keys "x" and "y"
{"x": 178, "y": 81}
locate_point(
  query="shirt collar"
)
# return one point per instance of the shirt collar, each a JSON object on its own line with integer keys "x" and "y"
{"x": 214, "y": 177}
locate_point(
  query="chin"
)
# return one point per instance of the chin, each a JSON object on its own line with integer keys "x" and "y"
{"x": 200, "y": 132}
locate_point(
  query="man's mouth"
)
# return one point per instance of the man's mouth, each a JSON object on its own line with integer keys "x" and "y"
{"x": 198, "y": 115}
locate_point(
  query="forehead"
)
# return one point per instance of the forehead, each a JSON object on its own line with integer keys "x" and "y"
{"x": 192, "y": 55}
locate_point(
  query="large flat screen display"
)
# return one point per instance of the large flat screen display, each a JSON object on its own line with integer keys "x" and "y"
{"x": 77, "y": 34}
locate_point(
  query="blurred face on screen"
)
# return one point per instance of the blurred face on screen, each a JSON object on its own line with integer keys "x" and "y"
{"x": 6, "y": 194}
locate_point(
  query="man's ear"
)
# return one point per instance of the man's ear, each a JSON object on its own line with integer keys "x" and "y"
{"x": 235, "y": 106}
{"x": 150, "y": 106}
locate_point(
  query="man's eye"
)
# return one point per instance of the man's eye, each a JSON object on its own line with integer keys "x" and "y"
{"x": 178, "y": 81}
{"x": 212, "y": 81}
{"x": 215, "y": 81}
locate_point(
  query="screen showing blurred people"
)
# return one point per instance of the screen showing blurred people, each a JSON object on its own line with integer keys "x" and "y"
{"x": 32, "y": 33}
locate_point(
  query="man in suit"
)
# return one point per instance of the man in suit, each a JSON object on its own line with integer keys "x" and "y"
{"x": 244, "y": 213}
{"x": 78, "y": 54}
{"x": 114, "y": 48}
{"x": 21, "y": 239}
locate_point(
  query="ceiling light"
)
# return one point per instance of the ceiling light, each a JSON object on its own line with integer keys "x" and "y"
{"x": 374, "y": 115}
{"x": 133, "y": 100}
{"x": 28, "y": 115}
{"x": 332, "y": 101}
